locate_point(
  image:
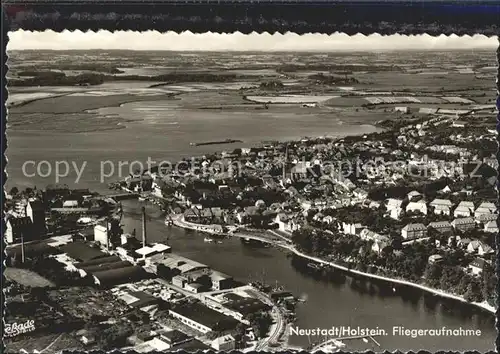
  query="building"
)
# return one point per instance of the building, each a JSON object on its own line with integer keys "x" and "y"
{"x": 368, "y": 235}
{"x": 106, "y": 265}
{"x": 221, "y": 281}
{"x": 70, "y": 204}
{"x": 138, "y": 299}
{"x": 82, "y": 252}
{"x": 352, "y": 228}
{"x": 443, "y": 227}
{"x": 242, "y": 307}
{"x": 419, "y": 206}
{"x": 194, "y": 287}
{"x": 286, "y": 223}
{"x": 179, "y": 280}
{"x": 403, "y": 110}
{"x": 435, "y": 258}
{"x": 484, "y": 218}
{"x": 202, "y": 318}
{"x": 111, "y": 277}
{"x": 414, "y": 231}
{"x": 393, "y": 203}
{"x": 224, "y": 343}
{"x": 477, "y": 266}
{"x": 463, "y": 224}
{"x": 441, "y": 206}
{"x": 178, "y": 265}
{"x": 379, "y": 245}
{"x": 396, "y": 213}
{"x": 158, "y": 250}
{"x": 485, "y": 208}
{"x": 464, "y": 209}
{"x": 174, "y": 338}
{"x": 414, "y": 196}
{"x": 491, "y": 226}
{"x": 18, "y": 229}
{"x": 442, "y": 210}
{"x": 36, "y": 212}
{"x": 479, "y": 247}
{"x": 101, "y": 234}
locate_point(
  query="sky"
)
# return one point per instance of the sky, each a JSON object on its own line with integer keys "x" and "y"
{"x": 187, "y": 41}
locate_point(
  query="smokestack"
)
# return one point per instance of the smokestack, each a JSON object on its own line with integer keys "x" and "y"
{"x": 107, "y": 234}
{"x": 284, "y": 164}
{"x": 143, "y": 226}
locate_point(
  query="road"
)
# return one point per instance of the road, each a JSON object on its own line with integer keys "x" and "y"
{"x": 51, "y": 344}
{"x": 279, "y": 323}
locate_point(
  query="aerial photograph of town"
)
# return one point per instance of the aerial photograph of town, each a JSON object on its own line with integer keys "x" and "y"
{"x": 253, "y": 192}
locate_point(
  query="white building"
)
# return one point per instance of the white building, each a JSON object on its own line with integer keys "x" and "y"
{"x": 101, "y": 234}
{"x": 491, "y": 226}
{"x": 419, "y": 206}
{"x": 414, "y": 231}
{"x": 225, "y": 343}
{"x": 477, "y": 266}
{"x": 464, "y": 209}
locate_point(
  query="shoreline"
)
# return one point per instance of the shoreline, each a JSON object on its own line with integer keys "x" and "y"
{"x": 483, "y": 305}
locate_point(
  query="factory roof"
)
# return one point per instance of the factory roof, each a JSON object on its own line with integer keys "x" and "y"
{"x": 81, "y": 251}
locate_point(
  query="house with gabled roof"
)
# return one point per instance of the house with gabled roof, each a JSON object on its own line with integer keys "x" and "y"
{"x": 414, "y": 196}
{"x": 352, "y": 228}
{"x": 484, "y": 218}
{"x": 477, "y": 266}
{"x": 491, "y": 226}
{"x": 463, "y": 224}
{"x": 419, "y": 206}
{"x": 442, "y": 227}
{"x": 479, "y": 247}
{"x": 441, "y": 206}
{"x": 414, "y": 231}
{"x": 464, "y": 209}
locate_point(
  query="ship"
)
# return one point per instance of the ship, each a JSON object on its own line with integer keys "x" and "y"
{"x": 217, "y": 142}
{"x": 314, "y": 265}
{"x": 208, "y": 239}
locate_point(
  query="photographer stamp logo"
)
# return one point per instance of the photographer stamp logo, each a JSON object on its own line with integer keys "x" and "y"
{"x": 15, "y": 329}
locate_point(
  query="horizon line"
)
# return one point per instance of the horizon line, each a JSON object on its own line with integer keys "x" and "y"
{"x": 238, "y": 42}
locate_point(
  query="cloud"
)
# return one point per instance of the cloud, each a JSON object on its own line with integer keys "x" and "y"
{"x": 187, "y": 41}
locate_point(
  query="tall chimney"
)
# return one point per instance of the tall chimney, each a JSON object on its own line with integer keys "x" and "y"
{"x": 143, "y": 226}
{"x": 285, "y": 163}
{"x": 107, "y": 234}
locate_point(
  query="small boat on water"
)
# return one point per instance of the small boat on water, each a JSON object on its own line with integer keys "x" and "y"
{"x": 142, "y": 199}
{"x": 208, "y": 239}
{"x": 314, "y": 265}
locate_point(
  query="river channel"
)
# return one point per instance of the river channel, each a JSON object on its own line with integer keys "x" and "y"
{"x": 342, "y": 302}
